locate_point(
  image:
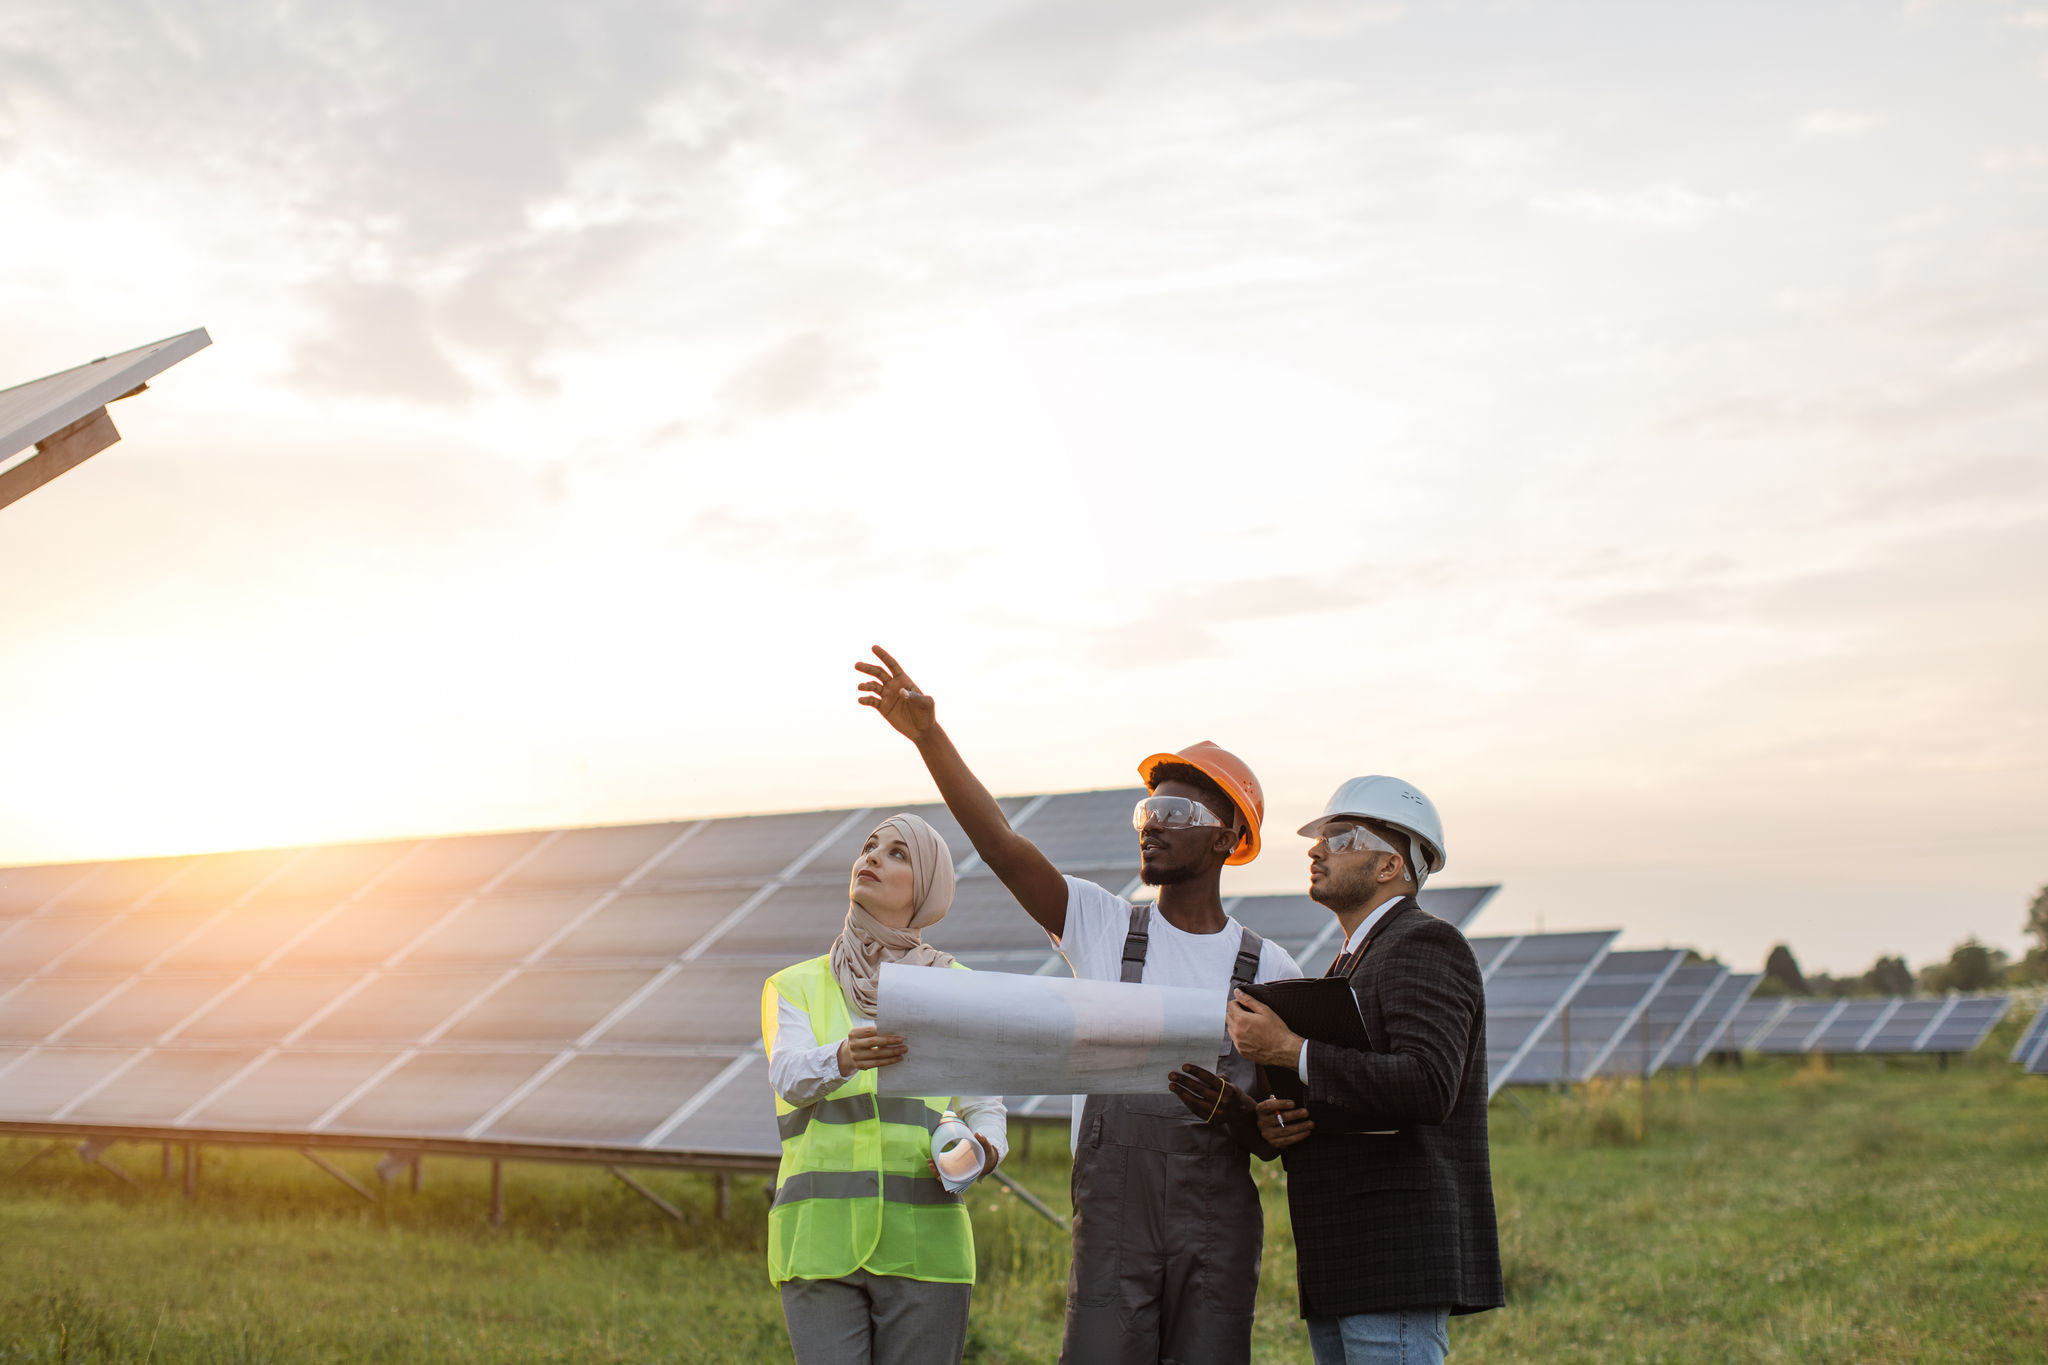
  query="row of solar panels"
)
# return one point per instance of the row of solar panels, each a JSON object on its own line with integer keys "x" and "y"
{"x": 597, "y": 989}
{"x": 1895, "y": 1024}
{"x": 2031, "y": 1051}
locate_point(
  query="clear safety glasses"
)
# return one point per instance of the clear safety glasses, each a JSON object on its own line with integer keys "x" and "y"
{"x": 1354, "y": 838}
{"x": 1172, "y": 812}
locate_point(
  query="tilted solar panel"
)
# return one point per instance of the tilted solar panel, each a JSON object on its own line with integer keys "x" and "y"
{"x": 2036, "y": 1061}
{"x": 1604, "y": 1013}
{"x": 1662, "y": 1029}
{"x": 1717, "y": 1014}
{"x": 2023, "y": 1050}
{"x": 1964, "y": 1025}
{"x": 1528, "y": 985}
{"x": 1856, "y": 1021}
{"x": 1903, "y": 1029}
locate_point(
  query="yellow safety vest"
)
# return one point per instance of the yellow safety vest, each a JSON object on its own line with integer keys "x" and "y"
{"x": 853, "y": 1192}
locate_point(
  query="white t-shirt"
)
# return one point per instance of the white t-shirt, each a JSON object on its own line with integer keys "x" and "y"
{"x": 1099, "y": 921}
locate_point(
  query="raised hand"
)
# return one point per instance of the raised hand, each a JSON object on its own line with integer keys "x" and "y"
{"x": 890, "y": 691}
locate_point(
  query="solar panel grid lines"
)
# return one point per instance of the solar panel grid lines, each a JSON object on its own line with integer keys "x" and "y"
{"x": 1598, "y": 1016}
{"x": 1965, "y": 1024}
{"x": 369, "y": 978}
{"x": 48, "y": 970}
{"x": 52, "y": 966}
{"x": 1529, "y": 989}
{"x": 2036, "y": 1061}
{"x": 1669, "y": 1013}
{"x": 166, "y": 954}
{"x": 1756, "y": 1015}
{"x": 1717, "y": 1013}
{"x": 633, "y": 1001}
{"x": 1853, "y": 1025}
{"x": 690, "y": 1106}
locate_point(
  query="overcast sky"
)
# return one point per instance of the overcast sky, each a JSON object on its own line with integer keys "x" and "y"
{"x": 1628, "y": 422}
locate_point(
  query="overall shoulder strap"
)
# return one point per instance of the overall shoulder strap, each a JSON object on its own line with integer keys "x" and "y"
{"x": 1135, "y": 944}
{"x": 1246, "y": 969}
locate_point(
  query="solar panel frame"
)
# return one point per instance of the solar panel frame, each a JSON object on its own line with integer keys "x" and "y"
{"x": 40, "y": 408}
{"x": 1795, "y": 1028}
{"x": 1905, "y": 1026}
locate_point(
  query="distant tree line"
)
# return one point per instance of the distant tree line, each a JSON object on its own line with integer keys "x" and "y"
{"x": 1970, "y": 967}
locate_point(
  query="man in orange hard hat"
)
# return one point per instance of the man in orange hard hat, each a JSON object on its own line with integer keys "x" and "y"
{"x": 1167, "y": 1223}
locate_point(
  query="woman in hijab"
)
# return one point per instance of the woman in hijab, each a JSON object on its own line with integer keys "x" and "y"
{"x": 873, "y": 1254}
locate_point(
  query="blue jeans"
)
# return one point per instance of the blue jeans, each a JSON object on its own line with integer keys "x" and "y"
{"x": 1413, "y": 1336}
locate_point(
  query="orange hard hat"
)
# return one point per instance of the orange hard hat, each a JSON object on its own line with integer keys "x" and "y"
{"x": 1229, "y": 772}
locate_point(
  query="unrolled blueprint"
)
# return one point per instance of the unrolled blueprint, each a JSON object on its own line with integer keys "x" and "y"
{"x": 997, "y": 1033}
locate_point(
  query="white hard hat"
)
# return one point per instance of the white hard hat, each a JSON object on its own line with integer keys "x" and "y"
{"x": 1394, "y": 802}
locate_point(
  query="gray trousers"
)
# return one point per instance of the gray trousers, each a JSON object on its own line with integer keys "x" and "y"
{"x": 1167, "y": 1233}
{"x": 863, "y": 1319}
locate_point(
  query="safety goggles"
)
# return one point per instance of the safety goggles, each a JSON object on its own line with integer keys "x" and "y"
{"x": 1173, "y": 812}
{"x": 1354, "y": 839}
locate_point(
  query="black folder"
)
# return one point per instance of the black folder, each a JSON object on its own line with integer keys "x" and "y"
{"x": 1324, "y": 1010}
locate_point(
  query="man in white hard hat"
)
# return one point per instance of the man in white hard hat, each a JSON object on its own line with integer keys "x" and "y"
{"x": 1393, "y": 1223}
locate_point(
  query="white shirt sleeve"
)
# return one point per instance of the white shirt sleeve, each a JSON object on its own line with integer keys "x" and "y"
{"x": 989, "y": 1118}
{"x": 804, "y": 1071}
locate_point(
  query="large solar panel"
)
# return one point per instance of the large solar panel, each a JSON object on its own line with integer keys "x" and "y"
{"x": 64, "y": 415}
{"x": 2023, "y": 1050}
{"x": 1667, "y": 1022}
{"x": 2036, "y": 1059}
{"x": 1599, "y": 1019}
{"x": 1852, "y": 1025}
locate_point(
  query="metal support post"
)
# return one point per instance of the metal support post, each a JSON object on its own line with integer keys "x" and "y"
{"x": 649, "y": 1195}
{"x": 418, "y": 1163}
{"x": 92, "y": 1152}
{"x": 368, "y": 1194}
{"x": 1031, "y": 1201}
{"x": 725, "y": 1194}
{"x": 191, "y": 1169}
{"x": 170, "y": 1167}
{"x": 497, "y": 1193}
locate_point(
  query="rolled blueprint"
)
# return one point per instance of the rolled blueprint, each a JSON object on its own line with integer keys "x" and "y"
{"x": 997, "y": 1033}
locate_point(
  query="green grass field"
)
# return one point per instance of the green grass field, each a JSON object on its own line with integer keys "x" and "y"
{"x": 1873, "y": 1212}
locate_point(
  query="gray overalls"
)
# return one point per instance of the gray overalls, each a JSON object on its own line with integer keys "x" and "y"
{"x": 1167, "y": 1223}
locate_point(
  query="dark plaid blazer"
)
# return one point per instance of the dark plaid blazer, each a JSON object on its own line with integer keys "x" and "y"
{"x": 1405, "y": 1219}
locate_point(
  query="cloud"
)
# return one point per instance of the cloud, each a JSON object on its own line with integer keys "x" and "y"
{"x": 1837, "y": 123}
{"x": 1184, "y": 625}
{"x": 809, "y": 370}
{"x": 378, "y": 342}
{"x": 1667, "y": 205}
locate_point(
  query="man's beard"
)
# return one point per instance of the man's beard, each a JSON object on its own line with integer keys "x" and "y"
{"x": 1171, "y": 876}
{"x": 1341, "y": 895}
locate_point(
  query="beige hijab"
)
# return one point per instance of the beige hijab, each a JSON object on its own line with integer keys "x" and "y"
{"x": 866, "y": 943}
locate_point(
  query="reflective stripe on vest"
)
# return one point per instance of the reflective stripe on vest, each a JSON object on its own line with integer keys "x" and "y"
{"x": 892, "y": 1108}
{"x": 896, "y": 1189}
{"x": 854, "y": 1191}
